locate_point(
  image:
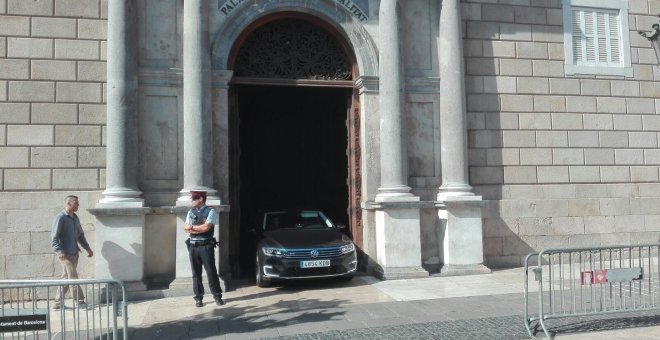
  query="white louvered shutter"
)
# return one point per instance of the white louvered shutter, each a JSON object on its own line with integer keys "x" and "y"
{"x": 596, "y": 37}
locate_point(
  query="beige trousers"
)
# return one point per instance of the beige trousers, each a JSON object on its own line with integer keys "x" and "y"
{"x": 69, "y": 271}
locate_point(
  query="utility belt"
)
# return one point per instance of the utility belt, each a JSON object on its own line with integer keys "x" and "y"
{"x": 199, "y": 243}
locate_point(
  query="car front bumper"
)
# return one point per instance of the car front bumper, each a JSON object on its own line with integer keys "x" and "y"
{"x": 285, "y": 268}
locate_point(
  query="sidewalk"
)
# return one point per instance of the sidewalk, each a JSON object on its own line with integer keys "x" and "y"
{"x": 465, "y": 307}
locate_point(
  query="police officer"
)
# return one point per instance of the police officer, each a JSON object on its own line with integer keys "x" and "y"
{"x": 200, "y": 222}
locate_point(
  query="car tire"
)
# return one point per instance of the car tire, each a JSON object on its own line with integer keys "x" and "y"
{"x": 259, "y": 277}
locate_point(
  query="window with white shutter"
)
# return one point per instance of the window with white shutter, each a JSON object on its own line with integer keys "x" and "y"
{"x": 596, "y": 37}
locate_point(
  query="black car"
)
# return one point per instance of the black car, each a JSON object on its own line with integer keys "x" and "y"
{"x": 302, "y": 244}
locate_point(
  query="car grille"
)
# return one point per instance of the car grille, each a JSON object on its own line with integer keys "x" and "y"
{"x": 307, "y": 253}
{"x": 301, "y": 272}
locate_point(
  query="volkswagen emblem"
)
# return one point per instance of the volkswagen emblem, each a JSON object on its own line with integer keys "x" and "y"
{"x": 314, "y": 253}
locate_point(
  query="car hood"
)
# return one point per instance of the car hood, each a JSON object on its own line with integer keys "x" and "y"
{"x": 297, "y": 238}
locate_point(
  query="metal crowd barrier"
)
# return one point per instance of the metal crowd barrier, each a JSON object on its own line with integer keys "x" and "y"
{"x": 575, "y": 282}
{"x": 27, "y": 310}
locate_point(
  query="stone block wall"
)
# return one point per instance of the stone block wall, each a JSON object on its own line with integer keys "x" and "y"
{"x": 562, "y": 160}
{"x": 25, "y": 233}
{"x": 52, "y": 125}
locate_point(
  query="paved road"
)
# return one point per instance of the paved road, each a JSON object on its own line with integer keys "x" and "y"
{"x": 485, "y": 317}
{"x": 487, "y": 306}
{"x": 506, "y": 327}
{"x": 474, "y": 307}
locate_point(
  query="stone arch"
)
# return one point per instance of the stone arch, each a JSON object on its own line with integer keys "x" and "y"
{"x": 345, "y": 23}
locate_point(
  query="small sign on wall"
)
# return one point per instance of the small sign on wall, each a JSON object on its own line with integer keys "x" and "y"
{"x": 587, "y": 278}
{"x": 22, "y": 323}
{"x": 611, "y": 275}
{"x": 600, "y": 276}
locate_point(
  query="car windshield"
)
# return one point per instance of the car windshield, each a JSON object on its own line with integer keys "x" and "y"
{"x": 299, "y": 219}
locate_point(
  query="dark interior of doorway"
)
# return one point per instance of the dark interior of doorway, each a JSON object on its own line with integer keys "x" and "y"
{"x": 292, "y": 143}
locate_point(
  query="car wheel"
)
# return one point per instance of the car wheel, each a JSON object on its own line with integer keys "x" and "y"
{"x": 259, "y": 277}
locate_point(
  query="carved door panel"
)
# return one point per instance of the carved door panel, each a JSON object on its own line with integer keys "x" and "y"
{"x": 354, "y": 177}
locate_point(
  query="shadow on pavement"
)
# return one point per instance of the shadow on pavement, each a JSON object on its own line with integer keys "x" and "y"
{"x": 292, "y": 287}
{"x": 235, "y": 318}
{"x": 228, "y": 320}
{"x": 600, "y": 323}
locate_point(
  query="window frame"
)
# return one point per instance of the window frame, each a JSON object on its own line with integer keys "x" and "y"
{"x": 571, "y": 67}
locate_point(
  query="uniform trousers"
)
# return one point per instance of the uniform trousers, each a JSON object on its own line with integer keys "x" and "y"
{"x": 204, "y": 256}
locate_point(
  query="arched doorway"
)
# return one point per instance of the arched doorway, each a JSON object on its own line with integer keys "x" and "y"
{"x": 294, "y": 127}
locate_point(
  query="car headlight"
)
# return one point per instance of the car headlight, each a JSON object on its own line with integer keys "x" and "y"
{"x": 347, "y": 248}
{"x": 273, "y": 251}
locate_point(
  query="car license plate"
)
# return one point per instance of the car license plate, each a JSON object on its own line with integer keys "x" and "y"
{"x": 315, "y": 264}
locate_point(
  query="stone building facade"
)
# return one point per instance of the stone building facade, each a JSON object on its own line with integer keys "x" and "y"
{"x": 471, "y": 132}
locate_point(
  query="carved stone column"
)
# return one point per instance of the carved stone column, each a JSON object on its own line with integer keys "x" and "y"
{"x": 197, "y": 120}
{"x": 120, "y": 213}
{"x": 397, "y": 216}
{"x": 459, "y": 209}
{"x": 122, "y": 161}
{"x": 197, "y": 130}
{"x": 453, "y": 125}
{"x": 220, "y": 104}
{"x": 393, "y": 169}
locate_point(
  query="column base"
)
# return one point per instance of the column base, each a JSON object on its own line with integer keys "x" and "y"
{"x": 135, "y": 290}
{"x": 464, "y": 269}
{"x": 448, "y": 191}
{"x": 119, "y": 244}
{"x": 398, "y": 241}
{"x": 211, "y": 195}
{"x": 183, "y": 286}
{"x": 398, "y": 273}
{"x": 462, "y": 245}
{"x": 120, "y": 197}
{"x": 395, "y": 193}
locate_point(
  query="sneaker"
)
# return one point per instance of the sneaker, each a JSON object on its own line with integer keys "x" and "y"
{"x": 82, "y": 305}
{"x": 219, "y": 302}
{"x": 199, "y": 303}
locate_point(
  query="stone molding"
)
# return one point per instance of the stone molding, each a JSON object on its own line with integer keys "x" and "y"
{"x": 171, "y": 77}
{"x": 398, "y": 273}
{"x": 463, "y": 269}
{"x": 225, "y": 33}
{"x": 367, "y": 84}
{"x": 165, "y": 210}
{"x": 221, "y": 79}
